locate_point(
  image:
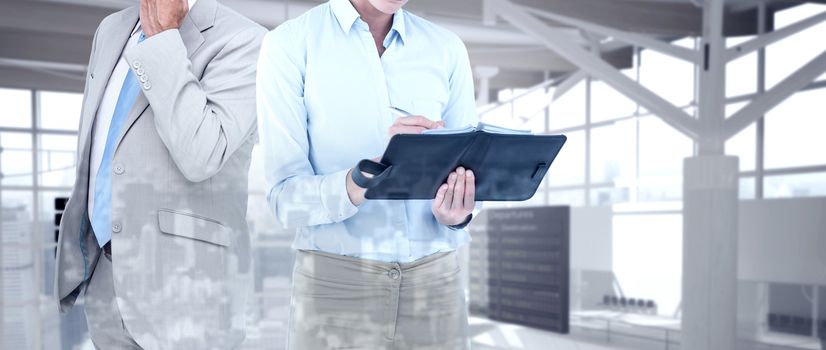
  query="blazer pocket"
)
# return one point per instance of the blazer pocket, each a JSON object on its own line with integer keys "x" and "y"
{"x": 192, "y": 226}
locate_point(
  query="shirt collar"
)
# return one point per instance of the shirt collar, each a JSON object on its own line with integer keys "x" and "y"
{"x": 398, "y": 24}
{"x": 347, "y": 15}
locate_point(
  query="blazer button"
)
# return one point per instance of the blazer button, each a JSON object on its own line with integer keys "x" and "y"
{"x": 143, "y": 78}
{"x": 139, "y": 71}
{"x": 136, "y": 64}
{"x": 147, "y": 86}
{"x": 119, "y": 169}
{"x": 116, "y": 228}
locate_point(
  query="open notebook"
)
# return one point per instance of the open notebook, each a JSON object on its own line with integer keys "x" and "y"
{"x": 508, "y": 164}
{"x": 480, "y": 127}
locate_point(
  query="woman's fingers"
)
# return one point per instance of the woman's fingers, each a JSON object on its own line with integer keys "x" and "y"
{"x": 470, "y": 190}
{"x": 451, "y": 185}
{"x": 455, "y": 199}
{"x": 417, "y": 120}
{"x": 459, "y": 190}
{"x": 404, "y": 129}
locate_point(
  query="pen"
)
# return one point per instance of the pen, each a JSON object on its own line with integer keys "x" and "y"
{"x": 399, "y": 112}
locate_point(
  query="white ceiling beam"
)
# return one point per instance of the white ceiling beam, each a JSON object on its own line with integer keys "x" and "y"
{"x": 42, "y": 65}
{"x": 509, "y": 79}
{"x": 596, "y": 67}
{"x": 569, "y": 82}
{"x": 648, "y": 42}
{"x": 761, "y": 104}
{"x": 475, "y": 33}
{"x": 523, "y": 59}
{"x": 527, "y": 91}
{"x": 764, "y": 40}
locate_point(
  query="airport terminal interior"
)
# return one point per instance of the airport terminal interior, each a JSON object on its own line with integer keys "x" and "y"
{"x": 686, "y": 209}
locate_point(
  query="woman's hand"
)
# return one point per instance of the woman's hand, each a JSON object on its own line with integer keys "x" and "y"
{"x": 412, "y": 124}
{"x": 456, "y": 198}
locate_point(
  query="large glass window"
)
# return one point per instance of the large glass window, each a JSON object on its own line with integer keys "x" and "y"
{"x": 17, "y": 108}
{"x": 662, "y": 152}
{"x": 529, "y": 114}
{"x": 791, "y": 53}
{"x": 15, "y": 158}
{"x": 743, "y": 145}
{"x": 574, "y": 198}
{"x": 60, "y": 110}
{"x": 569, "y": 166}
{"x": 671, "y": 78}
{"x": 607, "y": 103}
{"x": 795, "y": 129}
{"x": 796, "y": 185}
{"x": 741, "y": 74}
{"x": 27, "y": 198}
{"x": 622, "y": 157}
{"x": 57, "y": 160}
{"x": 569, "y": 108}
{"x": 613, "y": 152}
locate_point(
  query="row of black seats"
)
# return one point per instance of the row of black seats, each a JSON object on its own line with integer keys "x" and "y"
{"x": 796, "y": 324}
{"x": 623, "y": 302}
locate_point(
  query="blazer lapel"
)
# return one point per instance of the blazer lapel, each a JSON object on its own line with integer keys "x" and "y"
{"x": 191, "y": 35}
{"x": 109, "y": 50}
{"x": 198, "y": 20}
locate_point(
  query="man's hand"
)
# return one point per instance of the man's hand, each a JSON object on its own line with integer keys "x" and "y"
{"x": 413, "y": 124}
{"x": 456, "y": 198}
{"x": 160, "y": 15}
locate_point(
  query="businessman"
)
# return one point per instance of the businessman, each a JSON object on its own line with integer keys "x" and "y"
{"x": 369, "y": 274}
{"x": 154, "y": 235}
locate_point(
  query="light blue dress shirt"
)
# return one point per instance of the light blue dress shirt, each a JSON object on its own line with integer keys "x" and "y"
{"x": 323, "y": 97}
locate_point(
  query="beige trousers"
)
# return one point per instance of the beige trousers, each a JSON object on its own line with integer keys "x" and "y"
{"x": 340, "y": 302}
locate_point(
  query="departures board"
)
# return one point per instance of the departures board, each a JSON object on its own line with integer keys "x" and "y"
{"x": 528, "y": 261}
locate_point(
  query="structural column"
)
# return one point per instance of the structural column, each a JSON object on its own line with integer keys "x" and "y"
{"x": 484, "y": 74}
{"x": 710, "y": 207}
{"x": 710, "y": 214}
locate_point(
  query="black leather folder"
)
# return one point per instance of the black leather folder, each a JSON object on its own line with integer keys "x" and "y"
{"x": 508, "y": 167}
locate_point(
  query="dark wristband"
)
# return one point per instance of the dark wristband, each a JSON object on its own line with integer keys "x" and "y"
{"x": 463, "y": 224}
{"x": 378, "y": 170}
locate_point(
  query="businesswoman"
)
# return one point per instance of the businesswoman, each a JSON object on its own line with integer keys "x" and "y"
{"x": 369, "y": 274}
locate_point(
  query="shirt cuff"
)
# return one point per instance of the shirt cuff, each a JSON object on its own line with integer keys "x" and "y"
{"x": 334, "y": 196}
